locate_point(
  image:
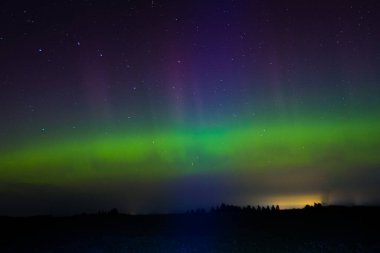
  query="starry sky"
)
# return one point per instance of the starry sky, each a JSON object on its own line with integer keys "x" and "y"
{"x": 162, "y": 106}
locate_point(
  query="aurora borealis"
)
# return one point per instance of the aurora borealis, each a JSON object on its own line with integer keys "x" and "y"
{"x": 156, "y": 106}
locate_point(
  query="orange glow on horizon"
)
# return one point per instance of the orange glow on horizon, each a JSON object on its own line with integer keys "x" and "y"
{"x": 291, "y": 201}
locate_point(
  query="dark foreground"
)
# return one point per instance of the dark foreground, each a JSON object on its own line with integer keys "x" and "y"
{"x": 327, "y": 229}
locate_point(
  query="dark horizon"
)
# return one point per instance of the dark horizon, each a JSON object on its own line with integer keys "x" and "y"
{"x": 230, "y": 229}
{"x": 217, "y": 209}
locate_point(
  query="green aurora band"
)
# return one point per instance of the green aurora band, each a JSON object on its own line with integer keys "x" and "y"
{"x": 332, "y": 145}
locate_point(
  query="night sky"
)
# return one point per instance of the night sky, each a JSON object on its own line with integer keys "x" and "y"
{"x": 162, "y": 106}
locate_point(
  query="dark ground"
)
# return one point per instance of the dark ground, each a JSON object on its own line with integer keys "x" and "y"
{"x": 325, "y": 229}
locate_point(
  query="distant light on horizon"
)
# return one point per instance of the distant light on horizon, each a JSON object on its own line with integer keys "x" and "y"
{"x": 291, "y": 201}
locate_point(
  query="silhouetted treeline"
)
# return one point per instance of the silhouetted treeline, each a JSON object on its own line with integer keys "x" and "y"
{"x": 222, "y": 209}
{"x": 225, "y": 208}
{"x": 248, "y": 209}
